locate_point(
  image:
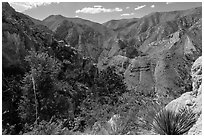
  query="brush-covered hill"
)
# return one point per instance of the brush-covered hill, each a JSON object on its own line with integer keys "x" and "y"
{"x": 84, "y": 35}
{"x": 54, "y": 21}
{"x": 19, "y": 35}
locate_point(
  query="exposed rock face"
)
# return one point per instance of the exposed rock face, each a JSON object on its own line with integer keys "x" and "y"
{"x": 196, "y": 73}
{"x": 155, "y": 26}
{"x": 166, "y": 46}
{"x": 140, "y": 74}
{"x": 192, "y": 99}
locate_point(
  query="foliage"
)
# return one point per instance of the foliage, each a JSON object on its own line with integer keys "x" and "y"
{"x": 11, "y": 93}
{"x": 43, "y": 76}
{"x": 68, "y": 32}
{"x": 122, "y": 44}
{"x": 53, "y": 127}
{"x": 69, "y": 87}
{"x": 169, "y": 122}
{"x": 131, "y": 109}
{"x": 102, "y": 99}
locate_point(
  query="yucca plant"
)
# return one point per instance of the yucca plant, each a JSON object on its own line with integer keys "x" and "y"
{"x": 169, "y": 122}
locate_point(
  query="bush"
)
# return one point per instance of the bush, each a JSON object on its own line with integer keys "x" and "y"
{"x": 42, "y": 97}
{"x": 132, "y": 107}
{"x": 168, "y": 122}
{"x": 11, "y": 93}
{"x": 49, "y": 128}
{"x": 103, "y": 97}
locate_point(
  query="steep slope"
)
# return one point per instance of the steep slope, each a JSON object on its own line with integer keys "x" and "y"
{"x": 155, "y": 53}
{"x": 135, "y": 26}
{"x": 139, "y": 33}
{"x": 118, "y": 25}
{"x": 35, "y": 21}
{"x": 20, "y": 34}
{"x": 165, "y": 45}
{"x": 86, "y": 36}
{"x": 54, "y": 21}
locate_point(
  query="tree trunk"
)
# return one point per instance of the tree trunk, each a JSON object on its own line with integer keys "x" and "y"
{"x": 36, "y": 102}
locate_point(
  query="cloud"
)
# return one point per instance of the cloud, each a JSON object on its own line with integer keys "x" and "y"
{"x": 169, "y": 2}
{"x": 22, "y": 6}
{"x": 140, "y": 7}
{"x": 117, "y": 9}
{"x": 127, "y": 7}
{"x": 97, "y": 9}
{"x": 152, "y": 6}
{"x": 98, "y": 6}
{"x": 127, "y": 14}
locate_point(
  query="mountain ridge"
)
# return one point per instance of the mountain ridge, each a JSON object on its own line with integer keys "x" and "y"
{"x": 154, "y": 54}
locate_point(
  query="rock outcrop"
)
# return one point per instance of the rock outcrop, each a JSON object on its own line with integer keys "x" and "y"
{"x": 192, "y": 99}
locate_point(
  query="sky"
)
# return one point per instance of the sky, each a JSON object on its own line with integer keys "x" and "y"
{"x": 98, "y": 11}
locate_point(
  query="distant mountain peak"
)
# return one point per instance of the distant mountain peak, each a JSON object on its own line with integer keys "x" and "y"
{"x": 58, "y": 16}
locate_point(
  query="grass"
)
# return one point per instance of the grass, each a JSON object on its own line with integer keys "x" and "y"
{"x": 169, "y": 122}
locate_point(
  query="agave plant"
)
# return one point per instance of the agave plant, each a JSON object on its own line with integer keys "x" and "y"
{"x": 168, "y": 122}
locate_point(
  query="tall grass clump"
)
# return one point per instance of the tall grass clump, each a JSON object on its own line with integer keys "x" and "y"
{"x": 170, "y": 122}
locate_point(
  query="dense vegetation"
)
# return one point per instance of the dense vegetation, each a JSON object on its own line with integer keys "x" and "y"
{"x": 61, "y": 89}
{"x": 54, "y": 87}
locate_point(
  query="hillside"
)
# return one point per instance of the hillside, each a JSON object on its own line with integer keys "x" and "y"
{"x": 54, "y": 21}
{"x": 86, "y": 36}
{"x": 118, "y": 25}
{"x": 73, "y": 76}
{"x": 161, "y": 48}
{"x": 20, "y": 34}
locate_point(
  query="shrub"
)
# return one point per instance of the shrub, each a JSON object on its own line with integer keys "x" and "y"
{"x": 168, "y": 122}
{"x": 49, "y": 128}
{"x": 132, "y": 107}
{"x": 102, "y": 99}
{"x": 41, "y": 96}
{"x": 11, "y": 93}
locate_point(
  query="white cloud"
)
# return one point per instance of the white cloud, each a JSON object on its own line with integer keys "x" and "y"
{"x": 98, "y": 6}
{"x": 117, "y": 9}
{"x": 152, "y": 6}
{"x": 127, "y": 14}
{"x": 169, "y": 2}
{"x": 127, "y": 7}
{"x": 28, "y": 5}
{"x": 22, "y": 4}
{"x": 97, "y": 9}
{"x": 140, "y": 7}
